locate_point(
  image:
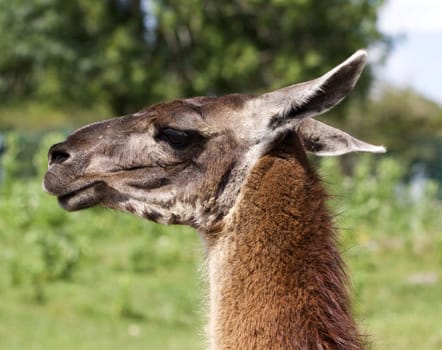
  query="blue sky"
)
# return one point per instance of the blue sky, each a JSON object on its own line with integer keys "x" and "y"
{"x": 417, "y": 59}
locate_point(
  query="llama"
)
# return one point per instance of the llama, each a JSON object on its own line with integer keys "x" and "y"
{"x": 234, "y": 168}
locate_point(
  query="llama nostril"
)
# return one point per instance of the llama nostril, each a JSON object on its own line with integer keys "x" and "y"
{"x": 57, "y": 154}
{"x": 58, "y": 157}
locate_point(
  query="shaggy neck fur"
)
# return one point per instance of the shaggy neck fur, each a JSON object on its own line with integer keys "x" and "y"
{"x": 276, "y": 278}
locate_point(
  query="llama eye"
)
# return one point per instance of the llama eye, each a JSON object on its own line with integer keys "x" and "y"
{"x": 177, "y": 139}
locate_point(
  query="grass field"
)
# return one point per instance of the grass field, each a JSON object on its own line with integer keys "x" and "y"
{"x": 108, "y": 305}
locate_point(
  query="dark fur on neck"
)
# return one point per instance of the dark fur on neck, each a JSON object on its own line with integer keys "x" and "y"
{"x": 282, "y": 283}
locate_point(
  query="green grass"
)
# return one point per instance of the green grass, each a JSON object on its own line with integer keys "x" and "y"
{"x": 397, "y": 297}
{"x": 106, "y": 305}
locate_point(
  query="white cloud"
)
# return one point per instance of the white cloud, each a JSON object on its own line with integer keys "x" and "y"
{"x": 402, "y": 16}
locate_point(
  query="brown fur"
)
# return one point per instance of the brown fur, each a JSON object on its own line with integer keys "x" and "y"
{"x": 283, "y": 282}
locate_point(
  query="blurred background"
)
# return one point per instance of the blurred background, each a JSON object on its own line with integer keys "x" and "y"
{"x": 100, "y": 279}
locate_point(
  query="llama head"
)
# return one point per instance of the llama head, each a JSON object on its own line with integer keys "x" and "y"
{"x": 184, "y": 161}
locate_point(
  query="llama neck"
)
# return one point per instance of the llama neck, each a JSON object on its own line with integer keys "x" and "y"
{"x": 276, "y": 277}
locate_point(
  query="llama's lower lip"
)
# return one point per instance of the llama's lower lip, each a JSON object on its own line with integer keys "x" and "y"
{"x": 81, "y": 198}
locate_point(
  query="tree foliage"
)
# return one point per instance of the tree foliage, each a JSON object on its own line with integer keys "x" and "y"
{"x": 408, "y": 124}
{"x": 130, "y": 53}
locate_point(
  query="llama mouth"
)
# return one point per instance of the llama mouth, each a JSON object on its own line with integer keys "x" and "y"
{"x": 82, "y": 198}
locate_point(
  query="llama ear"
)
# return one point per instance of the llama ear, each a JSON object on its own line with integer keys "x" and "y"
{"x": 324, "y": 140}
{"x": 280, "y": 107}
